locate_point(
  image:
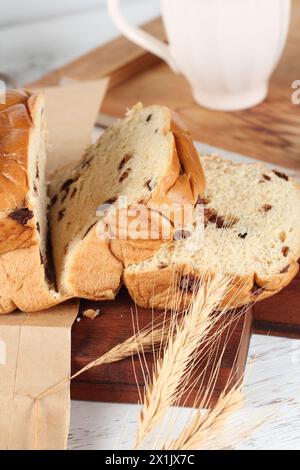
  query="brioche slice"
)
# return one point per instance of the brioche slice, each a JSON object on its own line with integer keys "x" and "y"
{"x": 25, "y": 271}
{"x": 252, "y": 232}
{"x": 148, "y": 158}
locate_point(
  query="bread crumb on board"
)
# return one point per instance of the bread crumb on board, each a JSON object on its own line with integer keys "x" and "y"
{"x": 90, "y": 313}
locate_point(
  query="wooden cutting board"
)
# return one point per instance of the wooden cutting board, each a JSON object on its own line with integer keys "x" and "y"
{"x": 280, "y": 315}
{"x": 118, "y": 382}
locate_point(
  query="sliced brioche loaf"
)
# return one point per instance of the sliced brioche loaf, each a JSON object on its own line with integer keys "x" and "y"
{"x": 252, "y": 232}
{"x": 25, "y": 271}
{"x": 149, "y": 158}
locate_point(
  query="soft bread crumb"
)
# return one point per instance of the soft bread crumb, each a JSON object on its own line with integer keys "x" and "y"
{"x": 90, "y": 313}
{"x": 239, "y": 239}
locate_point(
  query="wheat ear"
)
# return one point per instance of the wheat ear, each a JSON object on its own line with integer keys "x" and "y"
{"x": 169, "y": 371}
{"x": 208, "y": 425}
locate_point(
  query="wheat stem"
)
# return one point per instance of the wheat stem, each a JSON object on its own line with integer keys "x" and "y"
{"x": 209, "y": 424}
{"x": 169, "y": 372}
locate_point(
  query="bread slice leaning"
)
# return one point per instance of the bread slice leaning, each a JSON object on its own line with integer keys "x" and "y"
{"x": 252, "y": 233}
{"x": 147, "y": 158}
{"x": 26, "y": 280}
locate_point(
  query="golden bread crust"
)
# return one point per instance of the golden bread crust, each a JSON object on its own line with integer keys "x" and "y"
{"x": 172, "y": 287}
{"x": 17, "y": 229}
{"x": 22, "y": 269}
{"x": 94, "y": 272}
{"x": 22, "y": 281}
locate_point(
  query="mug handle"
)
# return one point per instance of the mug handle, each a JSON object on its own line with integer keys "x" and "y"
{"x": 140, "y": 37}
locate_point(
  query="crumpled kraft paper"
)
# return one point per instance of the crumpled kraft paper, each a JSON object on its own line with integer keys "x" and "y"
{"x": 35, "y": 348}
{"x": 35, "y": 351}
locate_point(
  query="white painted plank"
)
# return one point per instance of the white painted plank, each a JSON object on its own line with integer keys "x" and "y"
{"x": 30, "y": 50}
{"x": 18, "y": 11}
{"x": 271, "y": 389}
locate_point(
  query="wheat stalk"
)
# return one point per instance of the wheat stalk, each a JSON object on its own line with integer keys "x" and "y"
{"x": 169, "y": 372}
{"x": 209, "y": 424}
{"x": 140, "y": 342}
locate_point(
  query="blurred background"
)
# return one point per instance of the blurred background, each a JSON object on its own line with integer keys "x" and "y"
{"x": 37, "y": 36}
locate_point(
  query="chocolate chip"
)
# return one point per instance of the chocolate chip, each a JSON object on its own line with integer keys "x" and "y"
{"x": 88, "y": 230}
{"x": 54, "y": 200}
{"x": 243, "y": 235}
{"x": 124, "y": 175}
{"x": 281, "y": 175}
{"x": 35, "y": 189}
{"x": 124, "y": 160}
{"x": 149, "y": 118}
{"x": 66, "y": 185}
{"x": 112, "y": 200}
{"x": 203, "y": 201}
{"x": 162, "y": 265}
{"x": 267, "y": 177}
{"x": 21, "y": 215}
{"x": 87, "y": 163}
{"x": 285, "y": 270}
{"x": 210, "y": 214}
{"x": 74, "y": 191}
{"x": 285, "y": 251}
{"x": 38, "y": 227}
{"x": 220, "y": 221}
{"x": 61, "y": 214}
{"x": 156, "y": 131}
{"x": 148, "y": 185}
{"x": 188, "y": 283}
{"x": 182, "y": 234}
{"x": 227, "y": 222}
{"x": 266, "y": 208}
{"x": 65, "y": 195}
{"x": 37, "y": 171}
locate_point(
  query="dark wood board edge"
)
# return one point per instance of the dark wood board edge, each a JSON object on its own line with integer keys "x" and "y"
{"x": 282, "y": 330}
{"x": 245, "y": 345}
{"x": 116, "y": 383}
{"x": 279, "y": 315}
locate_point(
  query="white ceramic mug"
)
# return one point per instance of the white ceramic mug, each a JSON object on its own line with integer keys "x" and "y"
{"x": 227, "y": 49}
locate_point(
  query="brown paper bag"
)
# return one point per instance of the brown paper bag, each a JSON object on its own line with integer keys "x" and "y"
{"x": 35, "y": 354}
{"x": 35, "y": 349}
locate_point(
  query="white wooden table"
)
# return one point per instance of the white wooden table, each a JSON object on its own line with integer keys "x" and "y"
{"x": 32, "y": 44}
